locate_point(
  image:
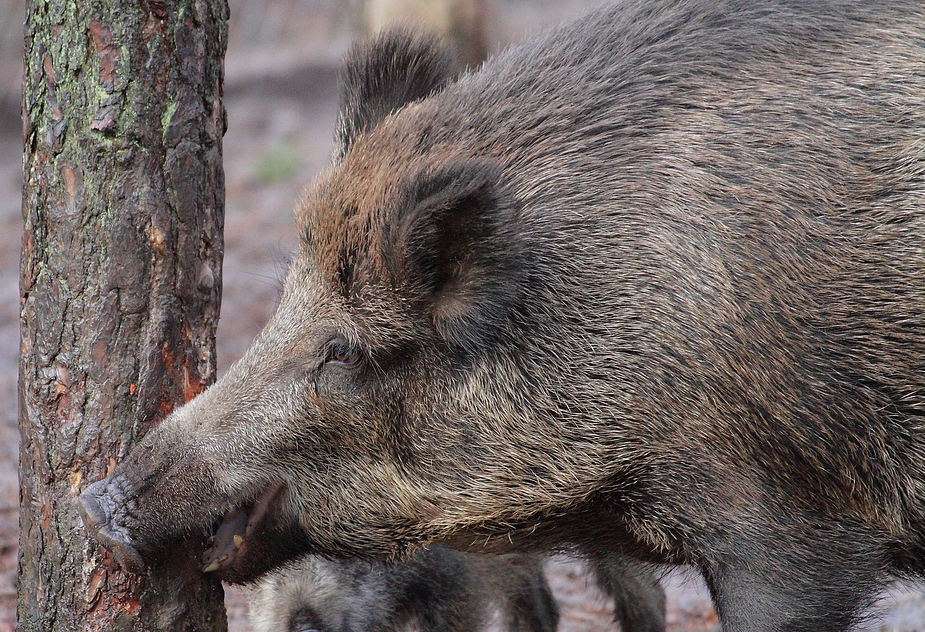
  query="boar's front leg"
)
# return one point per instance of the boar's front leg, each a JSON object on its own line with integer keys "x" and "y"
{"x": 639, "y": 600}
{"x": 773, "y": 584}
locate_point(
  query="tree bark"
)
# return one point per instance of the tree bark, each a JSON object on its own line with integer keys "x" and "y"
{"x": 123, "y": 201}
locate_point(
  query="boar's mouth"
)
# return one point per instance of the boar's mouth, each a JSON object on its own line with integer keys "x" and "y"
{"x": 242, "y": 547}
{"x": 232, "y": 542}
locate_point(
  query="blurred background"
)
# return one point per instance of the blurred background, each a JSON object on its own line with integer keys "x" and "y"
{"x": 280, "y": 96}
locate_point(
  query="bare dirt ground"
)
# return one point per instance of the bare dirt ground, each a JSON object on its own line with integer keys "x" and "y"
{"x": 280, "y": 96}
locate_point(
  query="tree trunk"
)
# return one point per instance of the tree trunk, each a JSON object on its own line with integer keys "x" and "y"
{"x": 123, "y": 200}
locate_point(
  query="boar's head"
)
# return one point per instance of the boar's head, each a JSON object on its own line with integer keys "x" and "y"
{"x": 362, "y": 419}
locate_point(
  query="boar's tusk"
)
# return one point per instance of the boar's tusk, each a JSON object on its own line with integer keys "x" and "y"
{"x": 215, "y": 564}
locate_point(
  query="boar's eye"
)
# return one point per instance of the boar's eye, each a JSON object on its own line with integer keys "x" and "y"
{"x": 342, "y": 352}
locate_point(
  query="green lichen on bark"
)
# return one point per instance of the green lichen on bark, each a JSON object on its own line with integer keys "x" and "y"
{"x": 123, "y": 199}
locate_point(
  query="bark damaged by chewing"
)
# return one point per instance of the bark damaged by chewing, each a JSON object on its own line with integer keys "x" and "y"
{"x": 123, "y": 198}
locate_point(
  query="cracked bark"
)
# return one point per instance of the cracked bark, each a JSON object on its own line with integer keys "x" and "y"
{"x": 123, "y": 198}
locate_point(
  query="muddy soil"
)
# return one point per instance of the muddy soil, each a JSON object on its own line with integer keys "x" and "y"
{"x": 280, "y": 95}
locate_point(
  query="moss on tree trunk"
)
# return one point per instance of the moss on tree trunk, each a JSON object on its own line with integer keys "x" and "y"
{"x": 123, "y": 199}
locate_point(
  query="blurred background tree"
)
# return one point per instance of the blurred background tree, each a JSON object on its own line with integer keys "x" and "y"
{"x": 465, "y": 23}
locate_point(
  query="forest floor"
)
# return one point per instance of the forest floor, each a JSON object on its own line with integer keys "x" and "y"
{"x": 281, "y": 111}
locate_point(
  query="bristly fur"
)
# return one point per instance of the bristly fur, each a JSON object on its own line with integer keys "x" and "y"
{"x": 687, "y": 313}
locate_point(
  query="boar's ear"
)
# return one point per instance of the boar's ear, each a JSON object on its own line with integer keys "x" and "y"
{"x": 386, "y": 72}
{"x": 453, "y": 241}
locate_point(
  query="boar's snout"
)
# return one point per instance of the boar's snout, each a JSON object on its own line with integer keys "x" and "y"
{"x": 98, "y": 506}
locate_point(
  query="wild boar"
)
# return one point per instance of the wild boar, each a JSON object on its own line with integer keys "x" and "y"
{"x": 652, "y": 283}
{"x": 439, "y": 590}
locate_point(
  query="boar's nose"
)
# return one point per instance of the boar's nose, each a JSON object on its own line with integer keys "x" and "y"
{"x": 96, "y": 506}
